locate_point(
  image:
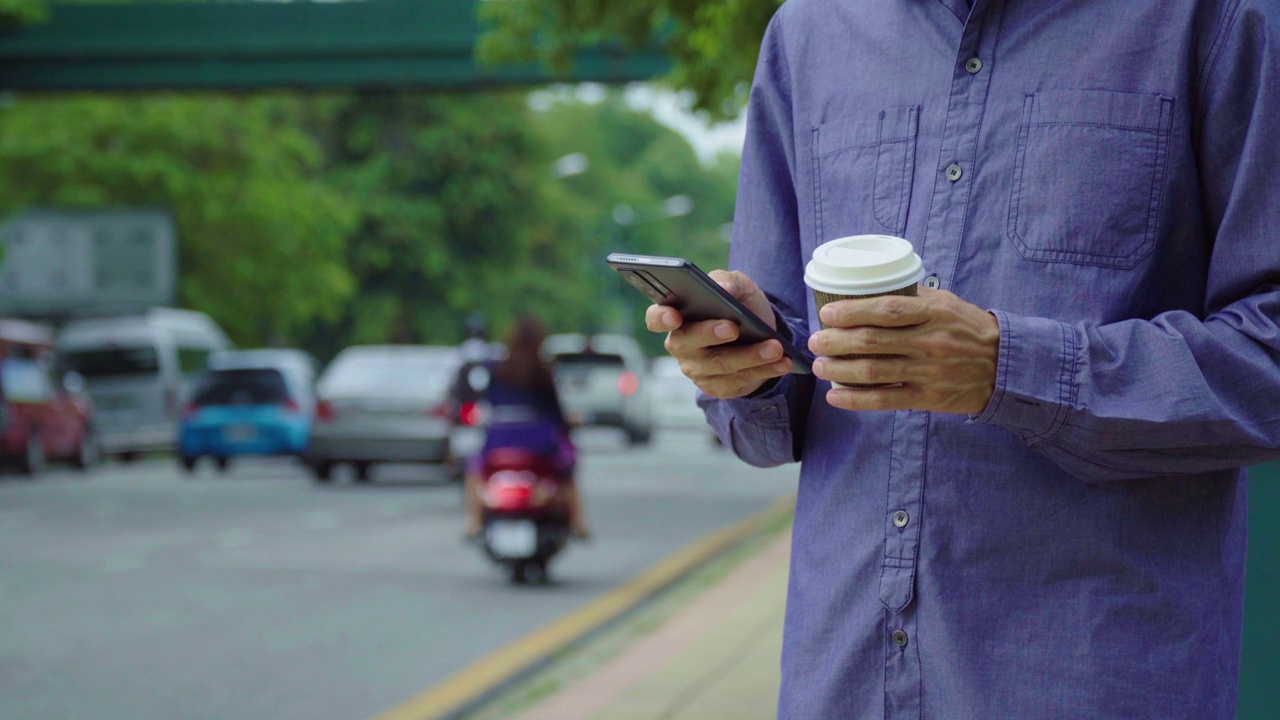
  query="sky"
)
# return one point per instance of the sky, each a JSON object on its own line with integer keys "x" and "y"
{"x": 667, "y": 106}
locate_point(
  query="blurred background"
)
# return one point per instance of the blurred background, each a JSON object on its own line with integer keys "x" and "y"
{"x": 244, "y": 244}
{"x": 247, "y": 250}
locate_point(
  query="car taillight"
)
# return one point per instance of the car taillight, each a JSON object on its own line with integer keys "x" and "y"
{"x": 628, "y": 383}
{"x": 324, "y": 411}
{"x": 441, "y": 411}
{"x": 289, "y": 406}
{"x": 470, "y": 414}
{"x": 189, "y": 410}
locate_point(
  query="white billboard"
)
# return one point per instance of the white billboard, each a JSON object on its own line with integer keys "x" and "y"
{"x": 58, "y": 262}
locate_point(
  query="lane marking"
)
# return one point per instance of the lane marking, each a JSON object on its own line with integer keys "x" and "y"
{"x": 498, "y": 667}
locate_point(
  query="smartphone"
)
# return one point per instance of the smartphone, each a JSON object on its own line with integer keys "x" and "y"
{"x": 684, "y": 286}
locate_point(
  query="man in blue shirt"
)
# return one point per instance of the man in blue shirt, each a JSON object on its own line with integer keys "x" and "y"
{"x": 1047, "y": 517}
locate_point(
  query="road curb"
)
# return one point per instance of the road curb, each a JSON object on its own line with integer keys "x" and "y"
{"x": 478, "y": 682}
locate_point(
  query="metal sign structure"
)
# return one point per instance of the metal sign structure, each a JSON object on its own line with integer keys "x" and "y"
{"x": 265, "y": 45}
{"x": 58, "y": 263}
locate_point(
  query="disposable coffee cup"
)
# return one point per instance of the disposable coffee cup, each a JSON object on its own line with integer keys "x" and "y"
{"x": 862, "y": 266}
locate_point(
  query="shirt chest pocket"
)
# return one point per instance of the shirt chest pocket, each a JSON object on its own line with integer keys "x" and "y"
{"x": 862, "y": 169}
{"x": 1089, "y": 176}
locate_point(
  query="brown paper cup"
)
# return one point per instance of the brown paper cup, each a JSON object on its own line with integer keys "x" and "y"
{"x": 822, "y": 298}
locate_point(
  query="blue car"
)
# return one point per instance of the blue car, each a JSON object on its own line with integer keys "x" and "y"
{"x": 246, "y": 405}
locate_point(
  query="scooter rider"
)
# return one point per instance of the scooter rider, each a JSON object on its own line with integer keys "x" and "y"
{"x": 524, "y": 412}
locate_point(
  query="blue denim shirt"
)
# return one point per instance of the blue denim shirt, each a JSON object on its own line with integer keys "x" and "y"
{"x": 1104, "y": 175}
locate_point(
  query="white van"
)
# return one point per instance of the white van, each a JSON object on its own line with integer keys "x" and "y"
{"x": 138, "y": 370}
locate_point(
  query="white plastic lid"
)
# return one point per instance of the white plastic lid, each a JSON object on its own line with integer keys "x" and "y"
{"x": 863, "y": 265}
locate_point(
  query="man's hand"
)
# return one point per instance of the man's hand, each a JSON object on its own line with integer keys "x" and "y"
{"x": 944, "y": 353}
{"x": 717, "y": 369}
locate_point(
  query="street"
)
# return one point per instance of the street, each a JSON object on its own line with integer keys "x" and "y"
{"x": 140, "y": 592}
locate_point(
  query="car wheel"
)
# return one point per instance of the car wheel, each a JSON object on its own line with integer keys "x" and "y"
{"x": 322, "y": 471}
{"x": 639, "y": 436}
{"x": 189, "y": 462}
{"x": 519, "y": 573}
{"x": 89, "y": 454}
{"x": 33, "y": 458}
{"x": 222, "y": 463}
{"x": 362, "y": 471}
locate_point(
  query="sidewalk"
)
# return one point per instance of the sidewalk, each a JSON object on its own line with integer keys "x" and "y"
{"x": 714, "y": 654}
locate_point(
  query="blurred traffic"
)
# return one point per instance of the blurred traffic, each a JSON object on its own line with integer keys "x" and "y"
{"x": 246, "y": 336}
{"x": 166, "y": 383}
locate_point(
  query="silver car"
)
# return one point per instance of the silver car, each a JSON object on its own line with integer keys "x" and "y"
{"x": 675, "y": 397}
{"x": 603, "y": 380}
{"x": 383, "y": 403}
{"x": 139, "y": 369}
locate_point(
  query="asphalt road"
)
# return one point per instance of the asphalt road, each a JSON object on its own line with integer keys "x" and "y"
{"x": 138, "y": 592}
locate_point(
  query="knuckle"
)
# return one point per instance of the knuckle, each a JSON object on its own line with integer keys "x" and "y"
{"x": 689, "y": 369}
{"x": 893, "y": 306}
{"x": 718, "y": 364}
{"x": 746, "y": 377}
{"x": 869, "y": 371}
{"x": 868, "y": 337}
{"x": 880, "y": 401}
{"x": 948, "y": 305}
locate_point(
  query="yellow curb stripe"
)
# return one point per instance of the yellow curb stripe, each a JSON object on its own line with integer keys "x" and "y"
{"x": 490, "y": 671}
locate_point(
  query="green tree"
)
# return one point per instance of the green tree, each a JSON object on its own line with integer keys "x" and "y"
{"x": 460, "y": 210}
{"x": 635, "y": 168}
{"x": 260, "y": 238}
{"x": 714, "y": 43}
{"x": 456, "y": 216}
{"x": 21, "y": 12}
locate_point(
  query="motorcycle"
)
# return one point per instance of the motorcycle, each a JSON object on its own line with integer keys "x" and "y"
{"x": 524, "y": 510}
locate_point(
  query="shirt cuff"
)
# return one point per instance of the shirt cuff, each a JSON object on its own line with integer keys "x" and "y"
{"x": 766, "y": 406}
{"x": 1035, "y": 377}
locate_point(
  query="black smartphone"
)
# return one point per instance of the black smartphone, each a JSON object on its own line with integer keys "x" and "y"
{"x": 684, "y": 286}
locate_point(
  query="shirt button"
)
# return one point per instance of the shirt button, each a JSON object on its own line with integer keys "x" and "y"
{"x": 931, "y": 282}
{"x": 900, "y": 518}
{"x": 973, "y": 65}
{"x": 899, "y": 638}
{"x": 954, "y": 172}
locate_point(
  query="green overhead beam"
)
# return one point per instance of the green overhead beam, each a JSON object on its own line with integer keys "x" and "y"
{"x": 267, "y": 45}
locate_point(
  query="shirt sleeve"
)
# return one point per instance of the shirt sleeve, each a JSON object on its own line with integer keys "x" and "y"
{"x": 767, "y": 429}
{"x": 1179, "y": 393}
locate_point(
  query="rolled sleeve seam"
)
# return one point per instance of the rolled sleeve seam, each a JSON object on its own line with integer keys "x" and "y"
{"x": 1066, "y": 390}
{"x": 1015, "y": 377}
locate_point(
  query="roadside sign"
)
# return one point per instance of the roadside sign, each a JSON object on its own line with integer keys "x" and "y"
{"x": 57, "y": 262}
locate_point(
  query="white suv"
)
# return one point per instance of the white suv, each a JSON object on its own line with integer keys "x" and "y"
{"x": 603, "y": 380}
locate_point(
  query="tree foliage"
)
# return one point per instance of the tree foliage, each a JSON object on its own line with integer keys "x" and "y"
{"x": 21, "y": 12}
{"x": 636, "y": 167}
{"x": 453, "y": 214}
{"x": 714, "y": 43}
{"x": 261, "y": 237}
{"x": 461, "y": 212}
